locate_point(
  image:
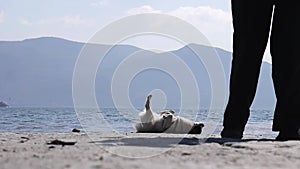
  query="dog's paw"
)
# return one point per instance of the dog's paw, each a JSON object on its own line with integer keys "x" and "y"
{"x": 147, "y": 105}
{"x": 149, "y": 97}
{"x": 199, "y": 124}
{"x": 197, "y": 128}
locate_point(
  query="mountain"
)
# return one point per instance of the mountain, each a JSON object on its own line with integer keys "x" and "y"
{"x": 38, "y": 72}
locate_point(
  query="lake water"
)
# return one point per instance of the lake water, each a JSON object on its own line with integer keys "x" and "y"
{"x": 47, "y": 120}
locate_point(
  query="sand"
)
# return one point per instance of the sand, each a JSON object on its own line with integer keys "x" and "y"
{"x": 132, "y": 150}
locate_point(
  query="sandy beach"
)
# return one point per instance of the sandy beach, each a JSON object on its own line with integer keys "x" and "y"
{"x": 132, "y": 150}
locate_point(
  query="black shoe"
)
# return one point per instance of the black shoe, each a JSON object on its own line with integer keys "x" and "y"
{"x": 286, "y": 135}
{"x": 230, "y": 133}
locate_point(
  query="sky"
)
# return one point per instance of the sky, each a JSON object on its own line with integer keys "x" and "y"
{"x": 79, "y": 20}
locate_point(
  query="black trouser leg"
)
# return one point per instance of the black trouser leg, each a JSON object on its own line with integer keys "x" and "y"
{"x": 285, "y": 40}
{"x": 251, "y": 22}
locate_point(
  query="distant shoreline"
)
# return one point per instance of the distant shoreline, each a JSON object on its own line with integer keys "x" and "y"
{"x": 3, "y": 105}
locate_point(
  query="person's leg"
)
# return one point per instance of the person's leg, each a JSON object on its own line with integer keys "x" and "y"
{"x": 286, "y": 68}
{"x": 251, "y": 22}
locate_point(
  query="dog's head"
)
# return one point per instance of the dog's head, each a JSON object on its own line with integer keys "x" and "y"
{"x": 167, "y": 117}
{"x": 167, "y": 113}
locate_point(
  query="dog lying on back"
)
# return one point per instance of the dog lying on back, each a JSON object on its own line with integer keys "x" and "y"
{"x": 166, "y": 121}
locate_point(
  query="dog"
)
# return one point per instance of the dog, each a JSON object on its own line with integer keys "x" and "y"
{"x": 166, "y": 122}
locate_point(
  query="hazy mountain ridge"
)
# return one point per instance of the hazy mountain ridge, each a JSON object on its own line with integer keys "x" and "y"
{"x": 38, "y": 72}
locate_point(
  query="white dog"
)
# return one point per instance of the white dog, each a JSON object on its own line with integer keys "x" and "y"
{"x": 166, "y": 121}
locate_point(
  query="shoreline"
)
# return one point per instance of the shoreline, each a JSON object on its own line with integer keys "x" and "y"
{"x": 143, "y": 150}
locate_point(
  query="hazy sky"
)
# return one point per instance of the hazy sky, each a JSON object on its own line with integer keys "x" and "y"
{"x": 79, "y": 19}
